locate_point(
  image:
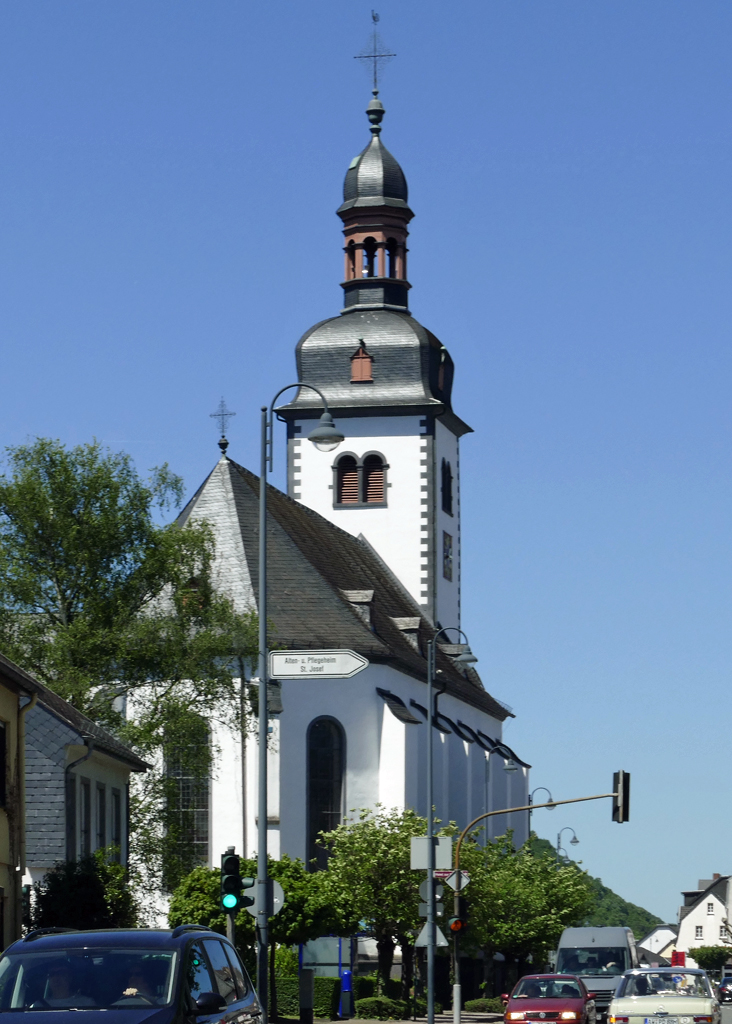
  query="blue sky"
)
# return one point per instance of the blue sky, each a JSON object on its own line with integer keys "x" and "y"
{"x": 169, "y": 174}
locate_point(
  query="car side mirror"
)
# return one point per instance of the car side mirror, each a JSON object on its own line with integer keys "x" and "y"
{"x": 209, "y": 1002}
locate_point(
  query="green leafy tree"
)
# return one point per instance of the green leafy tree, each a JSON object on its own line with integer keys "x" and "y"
{"x": 98, "y": 601}
{"x": 89, "y": 893}
{"x": 369, "y": 868}
{"x": 711, "y": 958}
{"x": 519, "y": 904}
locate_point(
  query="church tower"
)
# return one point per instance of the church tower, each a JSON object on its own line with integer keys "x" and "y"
{"x": 395, "y": 480}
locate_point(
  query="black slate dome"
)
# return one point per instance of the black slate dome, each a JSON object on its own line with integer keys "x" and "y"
{"x": 374, "y": 178}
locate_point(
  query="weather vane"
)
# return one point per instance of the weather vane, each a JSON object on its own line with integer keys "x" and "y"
{"x": 223, "y": 415}
{"x": 376, "y": 52}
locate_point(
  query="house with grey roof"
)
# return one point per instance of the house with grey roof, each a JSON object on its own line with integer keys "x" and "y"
{"x": 76, "y": 780}
{"x": 704, "y": 916}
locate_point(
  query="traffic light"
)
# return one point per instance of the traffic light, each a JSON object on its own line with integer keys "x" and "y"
{"x": 232, "y": 884}
{"x": 458, "y": 923}
{"x": 621, "y": 796}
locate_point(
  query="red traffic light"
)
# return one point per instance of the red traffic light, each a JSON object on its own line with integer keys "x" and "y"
{"x": 457, "y": 925}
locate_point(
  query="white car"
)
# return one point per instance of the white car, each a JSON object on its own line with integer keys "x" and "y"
{"x": 664, "y": 995}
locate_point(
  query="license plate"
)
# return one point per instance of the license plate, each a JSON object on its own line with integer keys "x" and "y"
{"x": 662, "y": 1020}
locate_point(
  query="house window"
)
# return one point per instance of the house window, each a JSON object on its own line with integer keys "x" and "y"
{"x": 447, "y": 555}
{"x": 446, "y": 487}
{"x": 361, "y": 366}
{"x": 117, "y": 824}
{"x": 698, "y": 932}
{"x": 710, "y": 908}
{"x": 85, "y": 819}
{"x": 3, "y": 764}
{"x": 722, "y": 932}
{"x": 325, "y": 771}
{"x": 101, "y": 814}
{"x": 360, "y": 482}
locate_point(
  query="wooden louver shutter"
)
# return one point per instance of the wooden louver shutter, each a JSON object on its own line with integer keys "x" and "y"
{"x": 373, "y": 480}
{"x": 361, "y": 363}
{"x": 347, "y": 481}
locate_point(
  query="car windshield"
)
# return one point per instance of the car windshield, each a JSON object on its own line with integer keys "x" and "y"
{"x": 86, "y": 979}
{"x": 595, "y": 960}
{"x": 666, "y": 983}
{"x": 546, "y": 988}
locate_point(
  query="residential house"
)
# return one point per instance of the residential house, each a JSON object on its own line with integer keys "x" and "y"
{"x": 703, "y": 916}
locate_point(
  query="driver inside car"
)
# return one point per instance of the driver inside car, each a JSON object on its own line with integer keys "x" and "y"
{"x": 139, "y": 984}
{"x": 61, "y": 992}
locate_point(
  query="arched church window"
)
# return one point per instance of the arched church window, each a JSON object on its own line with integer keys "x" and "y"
{"x": 186, "y": 760}
{"x": 446, "y": 487}
{"x": 326, "y": 762}
{"x": 373, "y": 480}
{"x": 391, "y": 251}
{"x": 347, "y": 480}
{"x": 369, "y": 257}
{"x": 361, "y": 366}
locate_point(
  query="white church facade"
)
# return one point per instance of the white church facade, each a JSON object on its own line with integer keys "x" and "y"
{"x": 364, "y": 553}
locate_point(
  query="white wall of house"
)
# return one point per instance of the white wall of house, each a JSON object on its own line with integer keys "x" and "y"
{"x": 703, "y": 926}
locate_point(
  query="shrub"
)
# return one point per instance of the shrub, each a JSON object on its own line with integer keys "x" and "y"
{"x": 364, "y": 986}
{"x": 87, "y": 893}
{"x": 381, "y": 1008}
{"x": 485, "y": 1006}
{"x": 326, "y": 997}
{"x": 288, "y": 995}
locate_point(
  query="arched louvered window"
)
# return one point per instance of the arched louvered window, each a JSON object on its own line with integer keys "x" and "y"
{"x": 351, "y": 261}
{"x": 326, "y": 754}
{"x": 361, "y": 366}
{"x": 369, "y": 257}
{"x": 347, "y": 481}
{"x": 373, "y": 480}
{"x": 391, "y": 251}
{"x": 446, "y": 487}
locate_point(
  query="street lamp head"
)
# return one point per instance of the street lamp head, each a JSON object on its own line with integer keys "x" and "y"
{"x": 574, "y": 841}
{"x": 325, "y": 437}
{"x": 466, "y": 658}
{"x": 510, "y": 765}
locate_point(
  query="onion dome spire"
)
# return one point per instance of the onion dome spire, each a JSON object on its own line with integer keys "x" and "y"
{"x": 375, "y": 214}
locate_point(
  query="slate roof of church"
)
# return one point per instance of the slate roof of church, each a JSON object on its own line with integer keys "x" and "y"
{"x": 85, "y": 728}
{"x": 310, "y": 563}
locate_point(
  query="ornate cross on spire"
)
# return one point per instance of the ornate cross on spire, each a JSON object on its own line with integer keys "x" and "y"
{"x": 223, "y": 415}
{"x": 375, "y": 52}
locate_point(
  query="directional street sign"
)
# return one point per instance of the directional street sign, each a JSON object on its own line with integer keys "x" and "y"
{"x": 458, "y": 883}
{"x": 320, "y": 664}
{"x": 278, "y": 899}
{"x": 440, "y": 939}
{"x": 418, "y": 853}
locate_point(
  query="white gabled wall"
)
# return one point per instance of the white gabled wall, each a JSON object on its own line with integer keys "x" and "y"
{"x": 709, "y": 922}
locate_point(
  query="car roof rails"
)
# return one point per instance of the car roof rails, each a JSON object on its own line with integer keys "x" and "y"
{"x": 190, "y": 928}
{"x": 36, "y": 934}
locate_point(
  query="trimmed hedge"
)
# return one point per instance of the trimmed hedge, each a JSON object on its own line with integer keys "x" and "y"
{"x": 380, "y": 1008}
{"x": 327, "y": 998}
{"x": 485, "y": 1006}
{"x": 288, "y": 996}
{"x": 363, "y": 987}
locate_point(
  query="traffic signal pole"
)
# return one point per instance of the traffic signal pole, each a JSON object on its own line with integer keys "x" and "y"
{"x": 621, "y": 805}
{"x": 262, "y": 879}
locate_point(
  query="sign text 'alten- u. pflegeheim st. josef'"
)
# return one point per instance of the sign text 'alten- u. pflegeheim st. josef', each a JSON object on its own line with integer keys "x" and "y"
{"x": 323, "y": 664}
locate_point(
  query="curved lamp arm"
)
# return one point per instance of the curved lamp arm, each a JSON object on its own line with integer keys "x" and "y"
{"x": 325, "y": 434}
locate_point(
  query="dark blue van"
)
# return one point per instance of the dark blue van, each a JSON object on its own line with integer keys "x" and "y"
{"x": 190, "y": 975}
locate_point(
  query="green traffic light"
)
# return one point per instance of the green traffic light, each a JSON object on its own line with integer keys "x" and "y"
{"x": 229, "y": 901}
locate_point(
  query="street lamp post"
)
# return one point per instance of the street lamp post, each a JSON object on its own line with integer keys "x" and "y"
{"x": 574, "y": 840}
{"x": 325, "y": 437}
{"x": 465, "y": 658}
{"x": 531, "y": 800}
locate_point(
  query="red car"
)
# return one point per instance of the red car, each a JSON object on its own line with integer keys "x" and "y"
{"x": 550, "y": 997}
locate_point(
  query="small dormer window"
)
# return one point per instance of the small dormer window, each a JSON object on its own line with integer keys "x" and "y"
{"x": 361, "y": 363}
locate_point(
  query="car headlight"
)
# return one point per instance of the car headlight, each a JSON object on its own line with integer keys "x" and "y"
{"x": 569, "y": 1015}
{"x": 515, "y": 1016}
